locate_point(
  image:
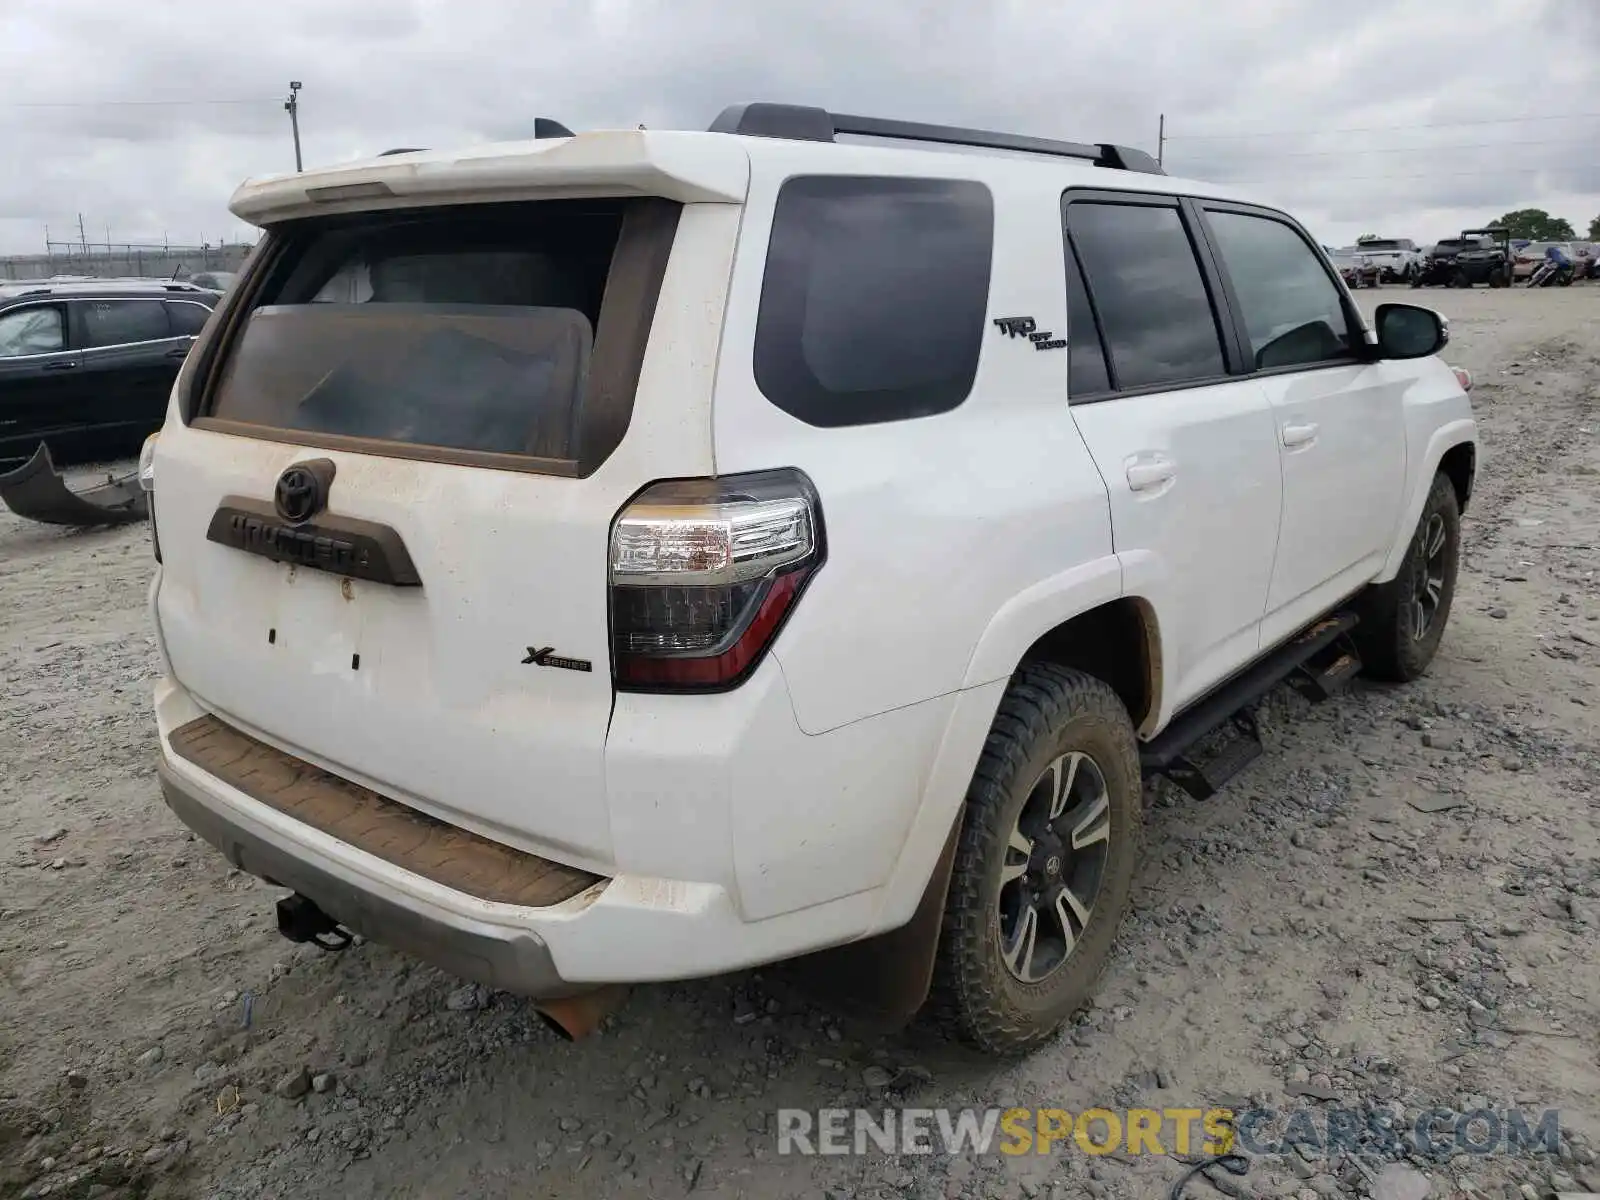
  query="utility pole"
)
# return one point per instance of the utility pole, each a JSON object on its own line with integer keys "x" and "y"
{"x": 83, "y": 238}
{"x": 292, "y": 107}
{"x": 1161, "y": 142}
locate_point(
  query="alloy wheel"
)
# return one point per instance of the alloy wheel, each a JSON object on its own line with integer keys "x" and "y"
{"x": 1429, "y": 589}
{"x": 1055, "y": 861}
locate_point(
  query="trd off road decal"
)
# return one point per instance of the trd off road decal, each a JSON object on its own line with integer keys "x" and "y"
{"x": 1027, "y": 327}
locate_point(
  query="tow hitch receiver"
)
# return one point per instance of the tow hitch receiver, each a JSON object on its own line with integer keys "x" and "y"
{"x": 300, "y": 920}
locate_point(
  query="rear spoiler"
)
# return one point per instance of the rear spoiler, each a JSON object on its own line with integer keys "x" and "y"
{"x": 687, "y": 167}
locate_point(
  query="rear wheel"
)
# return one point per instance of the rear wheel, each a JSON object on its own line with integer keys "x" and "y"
{"x": 1044, "y": 864}
{"x": 1402, "y": 621}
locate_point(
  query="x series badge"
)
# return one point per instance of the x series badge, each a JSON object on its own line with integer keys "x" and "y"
{"x": 545, "y": 656}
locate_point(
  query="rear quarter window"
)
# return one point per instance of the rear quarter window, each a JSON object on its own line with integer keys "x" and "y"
{"x": 874, "y": 297}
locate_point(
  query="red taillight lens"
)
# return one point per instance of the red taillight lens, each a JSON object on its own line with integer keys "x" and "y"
{"x": 703, "y": 575}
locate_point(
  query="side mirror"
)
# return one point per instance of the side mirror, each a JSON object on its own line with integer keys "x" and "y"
{"x": 1410, "y": 331}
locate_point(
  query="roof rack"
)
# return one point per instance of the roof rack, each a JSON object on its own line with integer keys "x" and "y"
{"x": 798, "y": 122}
{"x": 48, "y": 288}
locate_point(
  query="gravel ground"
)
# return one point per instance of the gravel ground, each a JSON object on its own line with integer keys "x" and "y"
{"x": 1396, "y": 908}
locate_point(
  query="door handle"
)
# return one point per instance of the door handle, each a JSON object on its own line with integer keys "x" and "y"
{"x": 180, "y": 352}
{"x": 1151, "y": 473}
{"x": 65, "y": 365}
{"x": 1298, "y": 435}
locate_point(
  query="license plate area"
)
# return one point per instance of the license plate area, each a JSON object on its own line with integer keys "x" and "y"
{"x": 317, "y": 625}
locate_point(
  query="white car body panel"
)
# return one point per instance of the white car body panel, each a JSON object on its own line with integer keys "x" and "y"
{"x": 807, "y": 806}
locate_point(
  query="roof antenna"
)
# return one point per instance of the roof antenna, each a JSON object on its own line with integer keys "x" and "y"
{"x": 544, "y": 127}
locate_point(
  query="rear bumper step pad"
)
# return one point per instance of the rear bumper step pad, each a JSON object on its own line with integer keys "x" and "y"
{"x": 360, "y": 817}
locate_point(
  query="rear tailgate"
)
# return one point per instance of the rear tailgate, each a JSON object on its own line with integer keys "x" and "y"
{"x": 463, "y": 400}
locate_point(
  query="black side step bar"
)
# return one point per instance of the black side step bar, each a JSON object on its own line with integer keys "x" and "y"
{"x": 1322, "y": 661}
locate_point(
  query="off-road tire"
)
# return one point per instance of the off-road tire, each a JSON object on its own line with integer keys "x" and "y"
{"x": 1389, "y": 649}
{"x": 1046, "y": 711}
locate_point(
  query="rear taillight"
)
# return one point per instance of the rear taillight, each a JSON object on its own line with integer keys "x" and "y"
{"x": 147, "y": 484}
{"x": 1463, "y": 377}
{"x": 703, "y": 574}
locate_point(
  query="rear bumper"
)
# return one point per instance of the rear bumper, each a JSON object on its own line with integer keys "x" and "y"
{"x": 501, "y": 957}
{"x": 628, "y": 929}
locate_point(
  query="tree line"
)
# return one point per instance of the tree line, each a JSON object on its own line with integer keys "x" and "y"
{"x": 1539, "y": 226}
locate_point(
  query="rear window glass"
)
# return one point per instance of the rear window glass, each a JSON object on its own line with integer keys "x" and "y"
{"x": 120, "y": 322}
{"x": 470, "y": 330}
{"x": 188, "y": 318}
{"x": 874, "y": 299}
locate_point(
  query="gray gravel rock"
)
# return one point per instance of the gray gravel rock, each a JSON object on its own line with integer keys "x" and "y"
{"x": 294, "y": 1085}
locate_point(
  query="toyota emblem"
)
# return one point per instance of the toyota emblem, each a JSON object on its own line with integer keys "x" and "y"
{"x": 302, "y": 490}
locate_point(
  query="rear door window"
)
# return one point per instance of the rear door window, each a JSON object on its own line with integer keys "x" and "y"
{"x": 1145, "y": 282}
{"x": 472, "y": 330}
{"x": 1087, "y": 374}
{"x": 123, "y": 322}
{"x": 36, "y": 330}
{"x": 875, "y": 297}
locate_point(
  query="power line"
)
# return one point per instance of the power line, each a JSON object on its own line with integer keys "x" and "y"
{"x": 1323, "y": 180}
{"x": 1211, "y": 137}
{"x": 1420, "y": 149}
{"x": 123, "y": 103}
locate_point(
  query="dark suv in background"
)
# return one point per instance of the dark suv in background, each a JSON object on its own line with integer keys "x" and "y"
{"x": 1477, "y": 256}
{"x": 86, "y": 366}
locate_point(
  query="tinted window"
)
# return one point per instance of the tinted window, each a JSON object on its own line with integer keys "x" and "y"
{"x": 188, "y": 318}
{"x": 1086, "y": 354}
{"x": 1292, "y": 311}
{"x": 875, "y": 297}
{"x": 1154, "y": 309}
{"x": 470, "y": 329}
{"x": 31, "y": 331}
{"x": 118, "y": 322}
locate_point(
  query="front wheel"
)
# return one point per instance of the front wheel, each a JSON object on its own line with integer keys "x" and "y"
{"x": 1044, "y": 865}
{"x": 1402, "y": 621}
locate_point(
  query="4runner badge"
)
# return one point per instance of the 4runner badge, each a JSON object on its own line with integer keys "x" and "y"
{"x": 545, "y": 656}
{"x": 1029, "y": 328}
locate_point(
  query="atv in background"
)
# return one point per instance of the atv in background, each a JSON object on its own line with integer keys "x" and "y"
{"x": 1489, "y": 263}
{"x": 1477, "y": 256}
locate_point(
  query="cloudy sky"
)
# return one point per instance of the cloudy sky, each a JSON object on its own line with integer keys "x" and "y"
{"x": 1408, "y": 118}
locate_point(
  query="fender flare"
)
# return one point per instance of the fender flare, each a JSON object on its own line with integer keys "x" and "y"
{"x": 1033, "y": 612}
{"x": 1444, "y": 439}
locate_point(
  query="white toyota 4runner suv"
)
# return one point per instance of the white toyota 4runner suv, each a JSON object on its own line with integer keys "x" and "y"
{"x": 635, "y": 555}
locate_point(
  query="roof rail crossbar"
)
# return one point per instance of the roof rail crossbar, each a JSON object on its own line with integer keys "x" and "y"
{"x": 804, "y": 123}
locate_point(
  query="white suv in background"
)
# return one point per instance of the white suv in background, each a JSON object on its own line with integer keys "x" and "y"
{"x": 637, "y": 555}
{"x": 1398, "y": 260}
